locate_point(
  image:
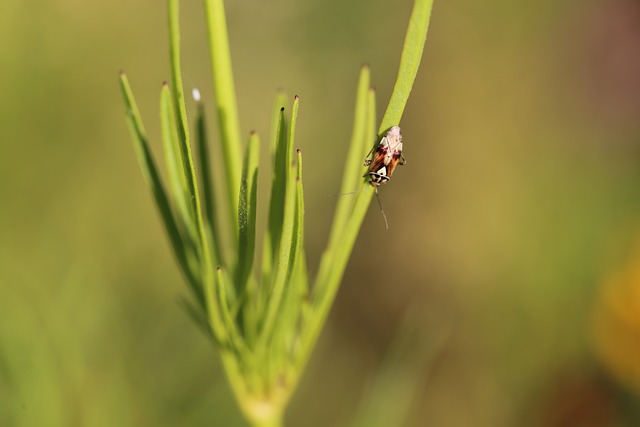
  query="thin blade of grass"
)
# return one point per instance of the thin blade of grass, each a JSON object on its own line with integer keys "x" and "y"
{"x": 276, "y": 202}
{"x": 354, "y": 164}
{"x": 409, "y": 63}
{"x": 177, "y": 178}
{"x": 279, "y": 103}
{"x": 290, "y": 172}
{"x": 152, "y": 178}
{"x": 177, "y": 88}
{"x": 247, "y": 207}
{"x": 286, "y": 333}
{"x": 208, "y": 188}
{"x": 226, "y": 103}
{"x": 287, "y": 249}
{"x": 277, "y": 129}
{"x": 300, "y": 263}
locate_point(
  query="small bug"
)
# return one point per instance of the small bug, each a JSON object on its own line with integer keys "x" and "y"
{"x": 386, "y": 157}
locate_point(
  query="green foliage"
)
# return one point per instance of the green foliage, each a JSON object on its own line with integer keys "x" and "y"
{"x": 265, "y": 324}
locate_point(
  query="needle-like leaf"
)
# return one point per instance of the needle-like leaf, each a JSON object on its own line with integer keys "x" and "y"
{"x": 211, "y": 216}
{"x": 152, "y": 178}
{"x": 226, "y": 104}
{"x": 247, "y": 208}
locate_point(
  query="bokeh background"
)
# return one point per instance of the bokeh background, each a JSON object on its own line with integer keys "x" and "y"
{"x": 506, "y": 292}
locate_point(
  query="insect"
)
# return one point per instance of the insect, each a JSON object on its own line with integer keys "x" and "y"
{"x": 387, "y": 155}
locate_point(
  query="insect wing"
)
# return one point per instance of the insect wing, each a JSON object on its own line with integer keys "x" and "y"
{"x": 378, "y": 168}
{"x": 395, "y": 158}
{"x": 394, "y": 149}
{"x": 386, "y": 157}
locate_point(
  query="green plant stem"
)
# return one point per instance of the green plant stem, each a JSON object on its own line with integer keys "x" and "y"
{"x": 275, "y": 421}
{"x": 226, "y": 104}
{"x": 334, "y": 260}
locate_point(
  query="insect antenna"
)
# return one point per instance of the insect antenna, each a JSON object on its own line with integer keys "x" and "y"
{"x": 386, "y": 224}
{"x": 351, "y": 192}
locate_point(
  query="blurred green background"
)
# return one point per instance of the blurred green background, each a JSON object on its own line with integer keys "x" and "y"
{"x": 520, "y": 198}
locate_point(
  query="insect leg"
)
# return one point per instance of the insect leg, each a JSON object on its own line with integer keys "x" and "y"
{"x": 386, "y": 224}
{"x": 367, "y": 160}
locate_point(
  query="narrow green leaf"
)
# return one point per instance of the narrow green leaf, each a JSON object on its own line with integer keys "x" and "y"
{"x": 276, "y": 202}
{"x": 354, "y": 164}
{"x": 177, "y": 91}
{"x": 287, "y": 251}
{"x": 291, "y": 140}
{"x": 226, "y": 104}
{"x": 176, "y": 74}
{"x": 359, "y": 146}
{"x": 247, "y": 206}
{"x": 409, "y": 62}
{"x": 298, "y": 232}
{"x": 152, "y": 178}
{"x": 173, "y": 160}
{"x": 279, "y": 104}
{"x": 276, "y": 138}
{"x": 211, "y": 219}
{"x": 296, "y": 291}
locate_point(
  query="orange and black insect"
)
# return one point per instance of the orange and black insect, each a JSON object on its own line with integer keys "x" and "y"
{"x": 387, "y": 155}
